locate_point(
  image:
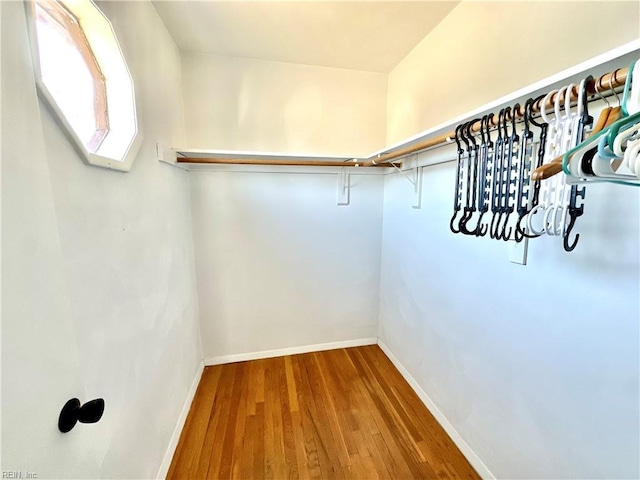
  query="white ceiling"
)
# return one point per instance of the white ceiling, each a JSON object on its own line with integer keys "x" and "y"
{"x": 360, "y": 35}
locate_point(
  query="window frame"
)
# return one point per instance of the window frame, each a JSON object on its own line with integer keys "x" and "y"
{"x": 64, "y": 14}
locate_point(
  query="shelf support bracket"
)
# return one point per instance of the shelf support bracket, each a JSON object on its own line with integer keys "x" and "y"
{"x": 417, "y": 186}
{"x": 344, "y": 186}
{"x": 415, "y": 179}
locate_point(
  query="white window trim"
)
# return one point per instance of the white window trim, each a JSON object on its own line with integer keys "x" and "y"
{"x": 89, "y": 158}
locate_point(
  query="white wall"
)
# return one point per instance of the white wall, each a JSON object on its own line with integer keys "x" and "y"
{"x": 485, "y": 50}
{"x": 279, "y": 264}
{"x": 109, "y": 257}
{"x": 243, "y": 104}
{"x": 535, "y": 366}
{"x": 99, "y": 296}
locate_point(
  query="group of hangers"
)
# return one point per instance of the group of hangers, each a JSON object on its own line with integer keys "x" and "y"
{"x": 495, "y": 173}
{"x": 558, "y": 208}
{"x": 500, "y": 175}
{"x": 612, "y": 151}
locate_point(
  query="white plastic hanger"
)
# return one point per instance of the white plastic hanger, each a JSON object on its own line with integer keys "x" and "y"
{"x": 545, "y": 188}
{"x": 563, "y": 124}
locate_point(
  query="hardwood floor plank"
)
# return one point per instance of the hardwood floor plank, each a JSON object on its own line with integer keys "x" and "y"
{"x": 261, "y": 366}
{"x": 258, "y": 444}
{"x": 341, "y": 398}
{"x": 313, "y": 424}
{"x": 330, "y": 404}
{"x": 369, "y": 452}
{"x": 301, "y": 453}
{"x": 306, "y": 430}
{"x": 291, "y": 385}
{"x": 339, "y": 414}
{"x": 269, "y": 429}
{"x": 200, "y": 465}
{"x": 280, "y": 465}
{"x": 210, "y": 458}
{"x": 252, "y": 387}
{"x": 235, "y": 426}
{"x": 287, "y": 427}
{"x": 193, "y": 433}
{"x": 246, "y": 466}
{"x": 330, "y": 437}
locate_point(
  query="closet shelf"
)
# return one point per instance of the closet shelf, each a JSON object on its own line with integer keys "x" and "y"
{"x": 606, "y": 84}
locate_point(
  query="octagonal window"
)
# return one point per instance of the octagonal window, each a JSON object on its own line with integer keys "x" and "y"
{"x": 82, "y": 75}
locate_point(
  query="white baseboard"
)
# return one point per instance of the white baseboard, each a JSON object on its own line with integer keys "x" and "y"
{"x": 464, "y": 447}
{"x": 242, "y": 357}
{"x": 173, "y": 444}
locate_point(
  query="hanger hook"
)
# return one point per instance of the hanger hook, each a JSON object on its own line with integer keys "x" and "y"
{"x": 611, "y": 87}
{"x": 479, "y": 231}
{"x": 493, "y": 219}
{"x": 526, "y": 116}
{"x": 463, "y": 223}
{"x": 483, "y": 123}
{"x": 462, "y": 135}
{"x": 518, "y": 236}
{"x": 599, "y": 93}
{"x": 457, "y": 138}
{"x": 516, "y": 108}
{"x": 506, "y": 236}
{"x": 569, "y": 247}
{"x": 523, "y": 231}
{"x": 482, "y": 228}
{"x": 493, "y": 230}
{"x": 489, "y": 121}
{"x": 528, "y": 111}
{"x": 474, "y": 231}
{"x": 507, "y": 115}
{"x": 500, "y": 230}
{"x": 556, "y": 103}
{"x": 542, "y": 108}
{"x": 463, "y": 220}
{"x": 567, "y": 99}
{"x": 583, "y": 101}
{"x": 453, "y": 219}
{"x": 470, "y": 133}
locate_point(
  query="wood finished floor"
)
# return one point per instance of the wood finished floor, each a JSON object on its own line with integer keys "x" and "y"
{"x": 344, "y": 413}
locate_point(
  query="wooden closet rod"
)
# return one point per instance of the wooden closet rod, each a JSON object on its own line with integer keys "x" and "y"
{"x": 276, "y": 161}
{"x": 608, "y": 81}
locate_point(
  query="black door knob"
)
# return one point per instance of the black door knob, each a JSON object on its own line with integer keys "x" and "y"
{"x": 74, "y": 412}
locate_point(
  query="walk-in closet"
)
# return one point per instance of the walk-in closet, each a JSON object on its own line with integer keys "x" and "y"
{"x": 320, "y": 239}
